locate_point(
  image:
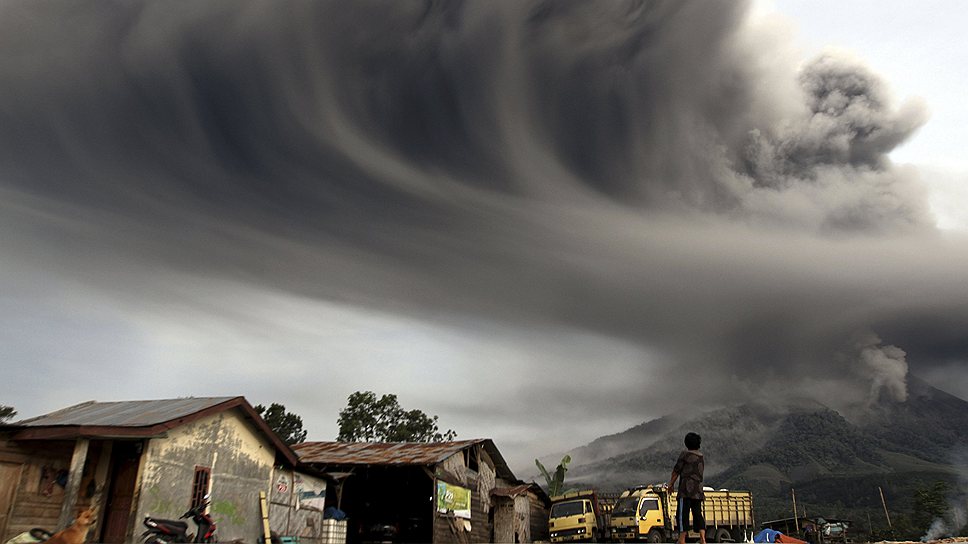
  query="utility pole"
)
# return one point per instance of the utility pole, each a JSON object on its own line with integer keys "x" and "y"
{"x": 796, "y": 520}
{"x": 884, "y": 502}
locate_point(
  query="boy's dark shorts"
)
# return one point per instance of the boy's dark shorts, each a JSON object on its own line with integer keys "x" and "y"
{"x": 684, "y": 506}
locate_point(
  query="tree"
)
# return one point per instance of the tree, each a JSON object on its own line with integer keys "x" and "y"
{"x": 556, "y": 483}
{"x": 6, "y": 412}
{"x": 369, "y": 419}
{"x": 287, "y": 425}
{"x": 931, "y": 507}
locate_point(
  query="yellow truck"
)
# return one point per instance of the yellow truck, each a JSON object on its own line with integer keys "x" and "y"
{"x": 576, "y": 516}
{"x": 646, "y": 513}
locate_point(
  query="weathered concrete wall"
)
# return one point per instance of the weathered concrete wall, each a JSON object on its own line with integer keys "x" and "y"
{"x": 241, "y": 464}
{"x": 296, "y": 505}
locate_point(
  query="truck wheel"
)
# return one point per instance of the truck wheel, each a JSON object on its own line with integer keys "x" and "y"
{"x": 723, "y": 535}
{"x": 654, "y": 536}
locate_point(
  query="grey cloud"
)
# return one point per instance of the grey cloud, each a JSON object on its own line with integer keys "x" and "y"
{"x": 586, "y": 166}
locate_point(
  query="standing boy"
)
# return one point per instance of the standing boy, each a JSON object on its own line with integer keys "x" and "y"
{"x": 689, "y": 470}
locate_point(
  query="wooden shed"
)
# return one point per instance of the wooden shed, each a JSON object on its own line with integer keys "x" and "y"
{"x": 416, "y": 492}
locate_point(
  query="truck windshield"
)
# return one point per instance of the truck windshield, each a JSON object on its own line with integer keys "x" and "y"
{"x": 570, "y": 508}
{"x": 625, "y": 507}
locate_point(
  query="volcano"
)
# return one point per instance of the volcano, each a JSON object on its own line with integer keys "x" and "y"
{"x": 834, "y": 460}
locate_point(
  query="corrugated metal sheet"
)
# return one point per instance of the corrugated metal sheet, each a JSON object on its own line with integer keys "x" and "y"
{"x": 379, "y": 453}
{"x": 135, "y": 413}
{"x": 511, "y": 491}
{"x": 395, "y": 454}
{"x": 522, "y": 490}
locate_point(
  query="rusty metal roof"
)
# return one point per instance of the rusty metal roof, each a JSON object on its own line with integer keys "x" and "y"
{"x": 394, "y": 454}
{"x": 379, "y": 453}
{"x": 133, "y": 413}
{"x": 511, "y": 491}
{"x": 139, "y": 418}
{"x": 523, "y": 489}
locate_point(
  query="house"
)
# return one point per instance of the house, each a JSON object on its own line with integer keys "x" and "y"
{"x": 457, "y": 491}
{"x": 131, "y": 459}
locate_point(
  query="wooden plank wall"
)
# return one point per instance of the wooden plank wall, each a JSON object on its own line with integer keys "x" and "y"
{"x": 480, "y": 524}
{"x": 37, "y": 499}
{"x": 539, "y": 519}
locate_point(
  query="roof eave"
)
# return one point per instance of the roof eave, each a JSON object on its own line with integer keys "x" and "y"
{"x": 159, "y": 430}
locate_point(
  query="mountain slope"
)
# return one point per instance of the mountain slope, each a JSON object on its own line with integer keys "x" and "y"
{"x": 836, "y": 462}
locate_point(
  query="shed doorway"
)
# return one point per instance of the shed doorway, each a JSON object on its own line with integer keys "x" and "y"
{"x": 389, "y": 504}
{"x": 125, "y": 461}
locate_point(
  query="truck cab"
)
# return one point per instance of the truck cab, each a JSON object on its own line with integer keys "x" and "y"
{"x": 646, "y": 513}
{"x": 576, "y": 516}
{"x": 639, "y": 514}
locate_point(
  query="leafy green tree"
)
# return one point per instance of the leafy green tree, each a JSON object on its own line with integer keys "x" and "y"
{"x": 556, "y": 483}
{"x": 367, "y": 418}
{"x": 930, "y": 504}
{"x": 287, "y": 425}
{"x": 6, "y": 412}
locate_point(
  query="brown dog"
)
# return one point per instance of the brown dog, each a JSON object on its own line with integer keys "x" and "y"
{"x": 77, "y": 532}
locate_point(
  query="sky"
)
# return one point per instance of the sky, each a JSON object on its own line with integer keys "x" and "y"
{"x": 542, "y": 222}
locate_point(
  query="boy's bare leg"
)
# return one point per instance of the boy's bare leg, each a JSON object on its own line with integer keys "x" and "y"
{"x": 702, "y": 536}
{"x": 682, "y": 537}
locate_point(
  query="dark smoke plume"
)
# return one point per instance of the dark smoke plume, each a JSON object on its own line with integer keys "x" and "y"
{"x": 633, "y": 169}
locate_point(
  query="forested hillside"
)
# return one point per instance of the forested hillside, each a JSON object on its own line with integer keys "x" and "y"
{"x": 834, "y": 462}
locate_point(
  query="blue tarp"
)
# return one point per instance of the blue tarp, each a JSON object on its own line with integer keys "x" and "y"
{"x": 334, "y": 513}
{"x": 767, "y": 535}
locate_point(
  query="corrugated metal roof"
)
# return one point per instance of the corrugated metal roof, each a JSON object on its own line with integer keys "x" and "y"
{"x": 379, "y": 453}
{"x": 511, "y": 491}
{"x": 522, "y": 489}
{"x": 395, "y": 454}
{"x": 134, "y": 413}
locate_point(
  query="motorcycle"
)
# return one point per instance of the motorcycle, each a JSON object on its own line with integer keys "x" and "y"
{"x": 33, "y": 536}
{"x": 169, "y": 531}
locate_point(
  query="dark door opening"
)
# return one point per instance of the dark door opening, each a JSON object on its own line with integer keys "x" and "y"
{"x": 125, "y": 459}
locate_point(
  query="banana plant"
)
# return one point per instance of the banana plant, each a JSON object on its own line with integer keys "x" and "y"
{"x": 556, "y": 483}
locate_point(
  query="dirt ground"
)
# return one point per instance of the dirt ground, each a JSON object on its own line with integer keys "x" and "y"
{"x": 940, "y": 541}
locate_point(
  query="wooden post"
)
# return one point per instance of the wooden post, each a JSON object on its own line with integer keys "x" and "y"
{"x": 796, "y": 521}
{"x": 100, "y": 486}
{"x": 264, "y": 506}
{"x": 883, "y": 502}
{"x": 73, "y": 486}
{"x": 339, "y": 494}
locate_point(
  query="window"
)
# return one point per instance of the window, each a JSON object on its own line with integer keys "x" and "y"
{"x": 565, "y": 509}
{"x": 470, "y": 459}
{"x": 625, "y": 507}
{"x": 200, "y": 485}
{"x": 648, "y": 505}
